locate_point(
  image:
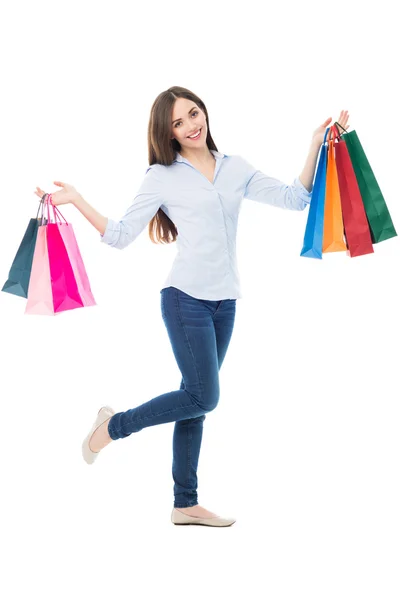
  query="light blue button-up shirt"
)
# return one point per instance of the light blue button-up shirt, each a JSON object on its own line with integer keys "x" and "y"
{"x": 206, "y": 217}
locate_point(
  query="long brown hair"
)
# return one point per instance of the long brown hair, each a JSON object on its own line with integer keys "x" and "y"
{"x": 162, "y": 151}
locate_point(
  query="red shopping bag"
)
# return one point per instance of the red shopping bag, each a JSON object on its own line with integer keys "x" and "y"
{"x": 356, "y": 227}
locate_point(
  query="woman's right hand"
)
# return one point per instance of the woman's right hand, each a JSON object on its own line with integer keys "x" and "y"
{"x": 66, "y": 195}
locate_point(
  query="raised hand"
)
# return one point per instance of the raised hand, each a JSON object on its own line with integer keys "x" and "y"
{"x": 319, "y": 133}
{"x": 66, "y": 195}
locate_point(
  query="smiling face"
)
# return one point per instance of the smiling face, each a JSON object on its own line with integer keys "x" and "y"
{"x": 187, "y": 119}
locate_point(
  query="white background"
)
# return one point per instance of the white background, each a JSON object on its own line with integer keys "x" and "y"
{"x": 303, "y": 448}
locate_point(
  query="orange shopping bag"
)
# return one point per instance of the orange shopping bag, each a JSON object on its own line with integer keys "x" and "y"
{"x": 333, "y": 239}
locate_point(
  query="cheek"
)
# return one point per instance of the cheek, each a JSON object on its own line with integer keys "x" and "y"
{"x": 176, "y": 132}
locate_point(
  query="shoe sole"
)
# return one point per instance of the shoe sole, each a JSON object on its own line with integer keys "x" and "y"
{"x": 178, "y": 518}
{"x": 204, "y": 524}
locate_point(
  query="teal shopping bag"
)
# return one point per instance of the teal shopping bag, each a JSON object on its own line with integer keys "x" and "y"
{"x": 20, "y": 272}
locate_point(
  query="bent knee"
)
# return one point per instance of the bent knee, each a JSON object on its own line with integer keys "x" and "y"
{"x": 209, "y": 402}
{"x": 206, "y": 400}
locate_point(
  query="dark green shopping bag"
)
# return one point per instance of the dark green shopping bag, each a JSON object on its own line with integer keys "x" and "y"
{"x": 20, "y": 272}
{"x": 377, "y": 212}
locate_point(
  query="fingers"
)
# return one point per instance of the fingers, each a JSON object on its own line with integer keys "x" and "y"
{"x": 343, "y": 119}
{"x": 39, "y": 192}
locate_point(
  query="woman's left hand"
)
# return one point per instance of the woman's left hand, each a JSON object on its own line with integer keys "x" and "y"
{"x": 319, "y": 134}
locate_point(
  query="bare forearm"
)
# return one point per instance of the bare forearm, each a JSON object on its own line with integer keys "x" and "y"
{"x": 94, "y": 217}
{"x": 307, "y": 175}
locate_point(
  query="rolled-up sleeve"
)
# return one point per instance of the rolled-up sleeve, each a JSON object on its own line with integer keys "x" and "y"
{"x": 149, "y": 198}
{"x": 262, "y": 188}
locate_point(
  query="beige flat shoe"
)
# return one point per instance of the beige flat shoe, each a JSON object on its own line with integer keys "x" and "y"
{"x": 180, "y": 518}
{"x": 104, "y": 413}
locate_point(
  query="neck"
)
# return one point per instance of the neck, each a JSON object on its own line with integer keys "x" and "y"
{"x": 199, "y": 155}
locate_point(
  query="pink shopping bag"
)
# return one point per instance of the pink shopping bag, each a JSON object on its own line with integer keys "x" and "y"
{"x": 75, "y": 257}
{"x": 40, "y": 296}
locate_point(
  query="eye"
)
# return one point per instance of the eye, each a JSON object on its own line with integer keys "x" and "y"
{"x": 193, "y": 113}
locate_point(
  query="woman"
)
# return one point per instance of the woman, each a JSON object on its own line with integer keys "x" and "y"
{"x": 191, "y": 193}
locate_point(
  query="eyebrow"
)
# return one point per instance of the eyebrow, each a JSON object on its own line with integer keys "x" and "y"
{"x": 193, "y": 107}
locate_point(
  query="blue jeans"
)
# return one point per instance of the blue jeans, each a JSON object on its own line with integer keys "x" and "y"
{"x": 199, "y": 332}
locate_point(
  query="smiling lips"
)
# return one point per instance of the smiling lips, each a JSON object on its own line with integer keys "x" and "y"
{"x": 195, "y": 137}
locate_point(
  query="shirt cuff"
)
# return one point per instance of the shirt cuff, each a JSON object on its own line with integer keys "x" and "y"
{"x": 303, "y": 191}
{"x": 109, "y": 233}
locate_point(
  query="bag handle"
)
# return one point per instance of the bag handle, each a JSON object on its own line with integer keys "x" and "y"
{"x": 50, "y": 201}
{"x": 42, "y": 218}
{"x": 345, "y": 130}
{"x": 39, "y": 207}
{"x": 57, "y": 219}
{"x": 333, "y": 133}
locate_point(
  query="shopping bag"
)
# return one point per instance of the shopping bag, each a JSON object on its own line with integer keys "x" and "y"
{"x": 53, "y": 287}
{"x": 75, "y": 257}
{"x": 63, "y": 283}
{"x": 20, "y": 272}
{"x": 356, "y": 227}
{"x": 377, "y": 212}
{"x": 40, "y": 296}
{"x": 312, "y": 245}
{"x": 333, "y": 240}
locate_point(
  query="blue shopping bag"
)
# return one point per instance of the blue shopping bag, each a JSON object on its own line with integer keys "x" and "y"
{"x": 313, "y": 237}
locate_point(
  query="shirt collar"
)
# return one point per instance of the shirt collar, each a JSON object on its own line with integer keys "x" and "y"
{"x": 217, "y": 154}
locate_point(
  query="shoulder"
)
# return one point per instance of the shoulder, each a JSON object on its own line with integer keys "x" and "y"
{"x": 155, "y": 169}
{"x": 241, "y": 165}
{"x": 156, "y": 173}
